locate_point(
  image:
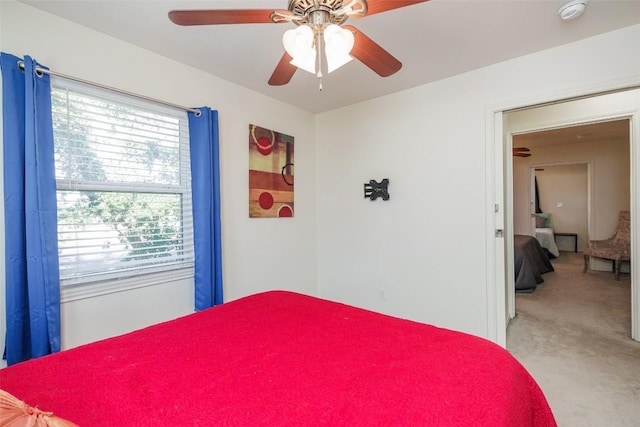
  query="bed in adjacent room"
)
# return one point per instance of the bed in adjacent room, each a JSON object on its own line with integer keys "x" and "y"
{"x": 530, "y": 263}
{"x": 545, "y": 234}
{"x": 547, "y": 239}
{"x": 282, "y": 358}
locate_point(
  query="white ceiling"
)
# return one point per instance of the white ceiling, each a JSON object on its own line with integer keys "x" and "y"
{"x": 433, "y": 40}
{"x": 607, "y": 132}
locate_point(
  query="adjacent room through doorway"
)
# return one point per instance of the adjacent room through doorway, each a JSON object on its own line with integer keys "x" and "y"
{"x": 592, "y": 133}
{"x": 577, "y": 177}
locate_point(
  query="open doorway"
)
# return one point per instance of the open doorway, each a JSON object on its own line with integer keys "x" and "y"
{"x": 574, "y": 181}
{"x": 585, "y": 111}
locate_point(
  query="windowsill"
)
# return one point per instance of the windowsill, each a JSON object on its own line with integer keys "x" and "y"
{"x": 95, "y": 289}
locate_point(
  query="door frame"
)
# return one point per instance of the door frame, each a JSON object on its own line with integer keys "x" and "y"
{"x": 499, "y": 200}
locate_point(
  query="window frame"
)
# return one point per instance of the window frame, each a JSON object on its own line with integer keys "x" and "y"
{"x": 101, "y": 283}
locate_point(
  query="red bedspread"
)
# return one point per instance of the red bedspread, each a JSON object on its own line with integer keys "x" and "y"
{"x": 280, "y": 358}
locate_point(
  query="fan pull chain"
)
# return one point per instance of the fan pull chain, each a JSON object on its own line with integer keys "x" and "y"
{"x": 319, "y": 49}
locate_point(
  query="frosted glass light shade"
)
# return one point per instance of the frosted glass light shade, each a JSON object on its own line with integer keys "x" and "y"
{"x": 307, "y": 63}
{"x": 299, "y": 44}
{"x": 338, "y": 44}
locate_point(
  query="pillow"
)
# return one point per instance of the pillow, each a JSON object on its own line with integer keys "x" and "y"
{"x": 541, "y": 222}
{"x": 15, "y": 412}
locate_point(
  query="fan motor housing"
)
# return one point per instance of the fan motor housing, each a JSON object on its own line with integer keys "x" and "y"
{"x": 324, "y": 11}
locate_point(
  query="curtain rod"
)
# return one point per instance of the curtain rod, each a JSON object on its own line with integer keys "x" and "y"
{"x": 124, "y": 92}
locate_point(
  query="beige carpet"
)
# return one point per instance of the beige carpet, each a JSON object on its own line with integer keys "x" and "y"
{"x": 573, "y": 335}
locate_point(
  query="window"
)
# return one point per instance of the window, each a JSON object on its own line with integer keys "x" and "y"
{"x": 123, "y": 186}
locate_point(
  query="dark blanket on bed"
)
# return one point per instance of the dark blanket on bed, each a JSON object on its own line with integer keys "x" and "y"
{"x": 530, "y": 263}
{"x": 284, "y": 359}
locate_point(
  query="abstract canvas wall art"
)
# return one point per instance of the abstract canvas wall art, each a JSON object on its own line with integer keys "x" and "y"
{"x": 270, "y": 173}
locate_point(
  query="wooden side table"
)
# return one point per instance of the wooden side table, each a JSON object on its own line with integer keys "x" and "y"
{"x": 575, "y": 239}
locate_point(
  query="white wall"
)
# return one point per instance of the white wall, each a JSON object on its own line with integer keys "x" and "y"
{"x": 258, "y": 254}
{"x": 427, "y": 245}
{"x": 563, "y": 193}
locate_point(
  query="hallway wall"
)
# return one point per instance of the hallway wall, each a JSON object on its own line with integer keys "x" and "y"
{"x": 563, "y": 192}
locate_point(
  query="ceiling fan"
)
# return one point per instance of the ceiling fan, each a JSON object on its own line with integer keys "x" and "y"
{"x": 321, "y": 34}
{"x": 521, "y": 152}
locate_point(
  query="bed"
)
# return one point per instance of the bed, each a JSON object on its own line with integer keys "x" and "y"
{"x": 547, "y": 240}
{"x": 282, "y": 358}
{"x": 530, "y": 263}
{"x": 544, "y": 233}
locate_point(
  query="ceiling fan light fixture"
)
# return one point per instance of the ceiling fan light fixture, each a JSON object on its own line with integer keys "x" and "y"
{"x": 572, "y": 9}
{"x": 338, "y": 43}
{"x": 299, "y": 43}
{"x": 308, "y": 47}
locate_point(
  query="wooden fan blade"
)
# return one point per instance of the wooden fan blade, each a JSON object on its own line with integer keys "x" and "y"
{"x": 222, "y": 16}
{"x": 283, "y": 72}
{"x": 521, "y": 152}
{"x": 377, "y": 6}
{"x": 372, "y": 55}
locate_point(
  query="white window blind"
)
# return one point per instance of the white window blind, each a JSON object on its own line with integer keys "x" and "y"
{"x": 123, "y": 185}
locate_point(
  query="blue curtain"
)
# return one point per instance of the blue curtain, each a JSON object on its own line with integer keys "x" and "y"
{"x": 31, "y": 237}
{"x": 205, "y": 187}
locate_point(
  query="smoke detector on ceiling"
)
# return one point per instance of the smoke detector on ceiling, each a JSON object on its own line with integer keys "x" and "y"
{"x": 572, "y": 9}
